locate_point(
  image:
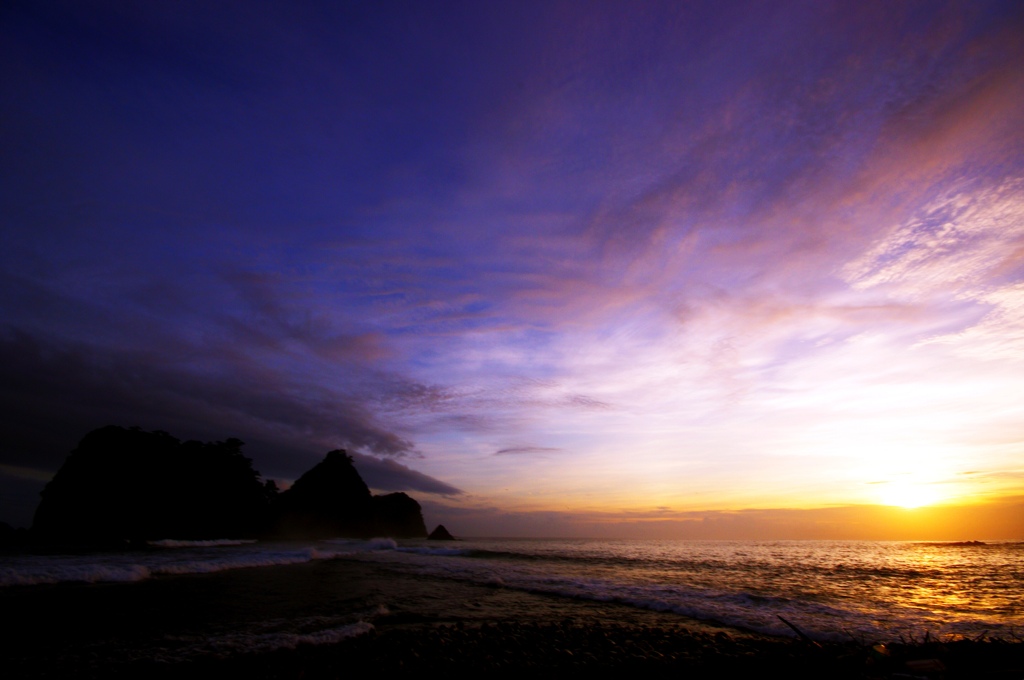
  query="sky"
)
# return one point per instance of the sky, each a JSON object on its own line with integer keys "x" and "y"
{"x": 704, "y": 269}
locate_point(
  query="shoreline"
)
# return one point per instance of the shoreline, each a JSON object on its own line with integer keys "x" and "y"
{"x": 228, "y": 623}
{"x": 569, "y": 648}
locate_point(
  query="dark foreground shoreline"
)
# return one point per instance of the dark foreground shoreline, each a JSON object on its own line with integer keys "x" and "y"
{"x": 568, "y": 648}
{"x": 154, "y": 628}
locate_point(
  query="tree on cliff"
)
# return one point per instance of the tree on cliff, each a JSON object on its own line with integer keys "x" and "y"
{"x": 126, "y": 484}
{"x": 129, "y": 484}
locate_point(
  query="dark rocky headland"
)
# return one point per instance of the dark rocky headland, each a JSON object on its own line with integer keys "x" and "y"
{"x": 127, "y": 485}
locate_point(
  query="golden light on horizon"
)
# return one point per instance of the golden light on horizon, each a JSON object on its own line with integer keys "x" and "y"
{"x": 908, "y": 494}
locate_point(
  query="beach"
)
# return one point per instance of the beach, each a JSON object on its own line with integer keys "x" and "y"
{"x": 323, "y": 612}
{"x": 379, "y": 610}
{"x": 569, "y": 648}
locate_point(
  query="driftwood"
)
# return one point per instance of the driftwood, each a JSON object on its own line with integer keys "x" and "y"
{"x": 798, "y": 632}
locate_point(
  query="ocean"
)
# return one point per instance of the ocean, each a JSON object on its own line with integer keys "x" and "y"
{"x": 177, "y": 600}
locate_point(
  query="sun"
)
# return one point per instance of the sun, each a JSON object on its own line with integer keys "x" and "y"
{"x": 908, "y": 494}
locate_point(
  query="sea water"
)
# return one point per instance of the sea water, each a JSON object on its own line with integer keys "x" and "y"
{"x": 829, "y": 589}
{"x": 868, "y": 591}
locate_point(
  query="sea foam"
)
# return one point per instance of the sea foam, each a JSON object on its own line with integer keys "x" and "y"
{"x": 267, "y": 642}
{"x": 171, "y": 543}
{"x": 176, "y": 557}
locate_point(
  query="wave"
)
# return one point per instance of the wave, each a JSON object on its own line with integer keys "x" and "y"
{"x": 359, "y": 545}
{"x": 952, "y": 544}
{"x": 267, "y": 642}
{"x": 172, "y": 543}
{"x": 275, "y": 634}
{"x": 829, "y": 594}
{"x": 65, "y": 571}
{"x": 73, "y": 573}
{"x": 187, "y": 557}
{"x": 441, "y": 552}
{"x": 744, "y": 611}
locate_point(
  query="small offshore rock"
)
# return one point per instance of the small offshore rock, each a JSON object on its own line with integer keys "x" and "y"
{"x": 440, "y": 534}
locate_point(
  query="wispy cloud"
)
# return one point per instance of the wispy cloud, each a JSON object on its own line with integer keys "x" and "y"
{"x": 519, "y": 450}
{"x": 696, "y": 264}
{"x": 964, "y": 246}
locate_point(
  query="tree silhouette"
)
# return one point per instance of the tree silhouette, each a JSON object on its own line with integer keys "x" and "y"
{"x": 127, "y": 484}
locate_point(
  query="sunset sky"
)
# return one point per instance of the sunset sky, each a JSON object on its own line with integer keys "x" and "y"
{"x": 704, "y": 269}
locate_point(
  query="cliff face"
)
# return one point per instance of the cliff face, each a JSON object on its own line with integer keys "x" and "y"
{"x": 329, "y": 500}
{"x": 332, "y": 500}
{"x": 399, "y": 516}
{"x": 125, "y": 484}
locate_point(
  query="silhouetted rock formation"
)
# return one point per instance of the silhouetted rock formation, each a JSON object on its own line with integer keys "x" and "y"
{"x": 440, "y": 534}
{"x": 122, "y": 484}
{"x": 11, "y": 537}
{"x": 329, "y": 500}
{"x": 128, "y": 485}
{"x": 399, "y": 516}
{"x": 332, "y": 500}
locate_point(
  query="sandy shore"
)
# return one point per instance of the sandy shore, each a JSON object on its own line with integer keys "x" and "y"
{"x": 567, "y": 648}
{"x": 169, "y": 627}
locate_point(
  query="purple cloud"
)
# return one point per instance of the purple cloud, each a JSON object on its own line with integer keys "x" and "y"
{"x": 679, "y": 231}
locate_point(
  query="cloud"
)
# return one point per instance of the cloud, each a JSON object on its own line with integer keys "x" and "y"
{"x": 390, "y": 475}
{"x": 957, "y": 243}
{"x": 70, "y": 389}
{"x": 519, "y": 450}
{"x": 27, "y": 473}
{"x": 53, "y": 395}
{"x": 1000, "y": 520}
{"x": 673, "y": 234}
{"x": 262, "y": 319}
{"x": 585, "y": 402}
{"x": 964, "y": 246}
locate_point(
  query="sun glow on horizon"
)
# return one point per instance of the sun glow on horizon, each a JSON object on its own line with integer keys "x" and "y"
{"x": 908, "y": 495}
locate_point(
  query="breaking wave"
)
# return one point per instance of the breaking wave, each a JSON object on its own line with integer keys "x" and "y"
{"x": 187, "y": 557}
{"x": 171, "y": 543}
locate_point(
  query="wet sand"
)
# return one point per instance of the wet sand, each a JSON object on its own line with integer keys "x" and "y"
{"x": 250, "y": 622}
{"x": 569, "y": 648}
